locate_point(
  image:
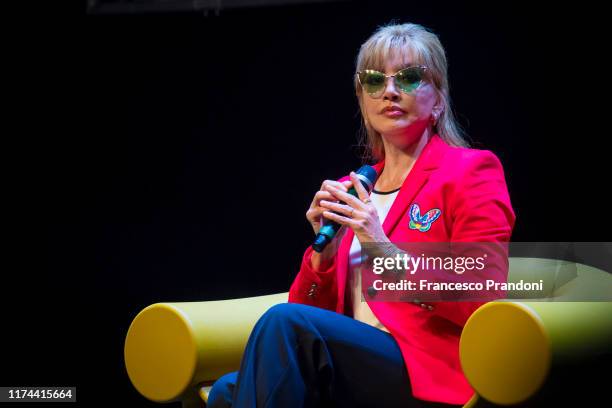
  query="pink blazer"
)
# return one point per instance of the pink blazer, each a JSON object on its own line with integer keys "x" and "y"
{"x": 469, "y": 188}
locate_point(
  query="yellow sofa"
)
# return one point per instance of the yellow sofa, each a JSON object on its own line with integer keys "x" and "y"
{"x": 508, "y": 349}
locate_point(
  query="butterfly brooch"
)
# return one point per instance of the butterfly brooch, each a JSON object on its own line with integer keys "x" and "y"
{"x": 422, "y": 223}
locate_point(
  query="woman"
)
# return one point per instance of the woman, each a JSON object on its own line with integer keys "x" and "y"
{"x": 328, "y": 347}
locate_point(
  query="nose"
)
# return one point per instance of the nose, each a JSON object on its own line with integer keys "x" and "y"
{"x": 391, "y": 92}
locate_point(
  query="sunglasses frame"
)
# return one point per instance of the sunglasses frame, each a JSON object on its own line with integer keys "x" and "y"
{"x": 423, "y": 67}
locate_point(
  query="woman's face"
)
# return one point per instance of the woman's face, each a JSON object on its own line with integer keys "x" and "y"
{"x": 402, "y": 127}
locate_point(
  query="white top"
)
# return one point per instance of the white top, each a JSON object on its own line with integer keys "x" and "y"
{"x": 361, "y": 310}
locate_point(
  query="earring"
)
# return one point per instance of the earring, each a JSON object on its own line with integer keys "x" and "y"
{"x": 433, "y": 119}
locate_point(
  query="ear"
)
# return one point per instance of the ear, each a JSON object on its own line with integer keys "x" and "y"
{"x": 438, "y": 107}
{"x": 437, "y": 110}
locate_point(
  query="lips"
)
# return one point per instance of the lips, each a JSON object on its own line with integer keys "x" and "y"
{"x": 392, "y": 108}
{"x": 393, "y": 111}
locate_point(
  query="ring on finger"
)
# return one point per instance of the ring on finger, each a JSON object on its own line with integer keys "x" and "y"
{"x": 367, "y": 201}
{"x": 352, "y": 210}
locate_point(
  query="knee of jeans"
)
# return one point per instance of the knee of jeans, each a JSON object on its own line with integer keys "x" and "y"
{"x": 221, "y": 392}
{"x": 282, "y": 313}
{"x": 284, "y": 310}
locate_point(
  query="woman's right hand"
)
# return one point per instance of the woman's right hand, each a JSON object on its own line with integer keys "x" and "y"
{"x": 314, "y": 213}
{"x": 315, "y": 218}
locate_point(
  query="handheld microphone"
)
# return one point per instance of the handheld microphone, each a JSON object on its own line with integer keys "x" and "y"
{"x": 367, "y": 175}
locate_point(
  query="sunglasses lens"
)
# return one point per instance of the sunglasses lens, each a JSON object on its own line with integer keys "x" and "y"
{"x": 372, "y": 81}
{"x": 408, "y": 79}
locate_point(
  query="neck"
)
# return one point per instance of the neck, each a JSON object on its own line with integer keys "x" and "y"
{"x": 399, "y": 160}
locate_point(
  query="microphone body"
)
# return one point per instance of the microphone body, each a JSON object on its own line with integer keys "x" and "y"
{"x": 367, "y": 175}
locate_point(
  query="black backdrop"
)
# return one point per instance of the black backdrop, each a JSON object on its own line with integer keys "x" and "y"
{"x": 193, "y": 145}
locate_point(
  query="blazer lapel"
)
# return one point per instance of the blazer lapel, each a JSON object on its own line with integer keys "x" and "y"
{"x": 429, "y": 160}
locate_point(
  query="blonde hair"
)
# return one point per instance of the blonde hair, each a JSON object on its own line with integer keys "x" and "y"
{"x": 426, "y": 49}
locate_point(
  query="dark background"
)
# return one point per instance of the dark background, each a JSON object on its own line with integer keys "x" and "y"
{"x": 177, "y": 147}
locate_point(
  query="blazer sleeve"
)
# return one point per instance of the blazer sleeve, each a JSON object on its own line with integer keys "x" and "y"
{"x": 481, "y": 212}
{"x": 316, "y": 288}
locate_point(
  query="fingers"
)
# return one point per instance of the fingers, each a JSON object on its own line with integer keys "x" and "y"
{"x": 326, "y": 195}
{"x": 325, "y": 192}
{"x": 323, "y": 195}
{"x": 334, "y": 183}
{"x": 340, "y": 208}
{"x": 361, "y": 191}
{"x": 315, "y": 211}
{"x": 340, "y": 219}
{"x": 346, "y": 197}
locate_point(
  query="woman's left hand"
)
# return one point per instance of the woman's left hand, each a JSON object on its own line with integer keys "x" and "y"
{"x": 358, "y": 215}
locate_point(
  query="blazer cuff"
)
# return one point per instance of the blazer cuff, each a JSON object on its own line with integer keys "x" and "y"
{"x": 307, "y": 268}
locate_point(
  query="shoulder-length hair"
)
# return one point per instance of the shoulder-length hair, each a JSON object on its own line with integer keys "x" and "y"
{"x": 425, "y": 49}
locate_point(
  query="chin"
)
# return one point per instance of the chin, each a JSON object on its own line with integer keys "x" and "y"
{"x": 396, "y": 126}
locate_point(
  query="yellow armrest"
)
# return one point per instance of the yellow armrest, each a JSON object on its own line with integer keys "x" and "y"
{"x": 170, "y": 348}
{"x": 508, "y": 348}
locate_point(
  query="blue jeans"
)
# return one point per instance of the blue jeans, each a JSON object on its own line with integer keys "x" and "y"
{"x": 303, "y": 356}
